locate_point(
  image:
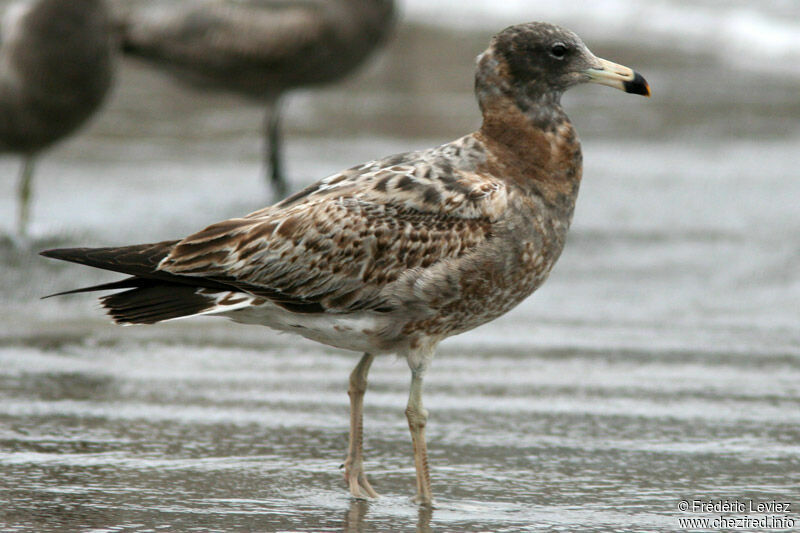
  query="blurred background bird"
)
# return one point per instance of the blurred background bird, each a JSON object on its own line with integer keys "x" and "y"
{"x": 257, "y": 48}
{"x": 56, "y": 63}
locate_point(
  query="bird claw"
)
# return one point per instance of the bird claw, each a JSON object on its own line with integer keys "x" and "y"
{"x": 356, "y": 480}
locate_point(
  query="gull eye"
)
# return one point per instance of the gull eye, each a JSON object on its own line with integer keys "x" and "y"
{"x": 559, "y": 50}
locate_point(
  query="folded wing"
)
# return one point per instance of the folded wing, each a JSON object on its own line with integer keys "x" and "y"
{"x": 340, "y": 248}
{"x": 335, "y": 248}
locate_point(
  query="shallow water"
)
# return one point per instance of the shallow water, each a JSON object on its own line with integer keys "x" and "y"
{"x": 660, "y": 362}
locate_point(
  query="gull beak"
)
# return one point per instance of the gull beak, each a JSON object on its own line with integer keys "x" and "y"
{"x": 618, "y": 76}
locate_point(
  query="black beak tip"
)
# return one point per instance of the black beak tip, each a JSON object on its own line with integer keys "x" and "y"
{"x": 638, "y": 85}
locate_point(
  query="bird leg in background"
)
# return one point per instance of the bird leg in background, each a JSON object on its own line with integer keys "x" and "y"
{"x": 417, "y": 416}
{"x": 24, "y": 195}
{"x": 354, "y": 464}
{"x": 273, "y": 156}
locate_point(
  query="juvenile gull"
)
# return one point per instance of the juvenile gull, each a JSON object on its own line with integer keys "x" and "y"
{"x": 55, "y": 70}
{"x": 394, "y": 255}
{"x": 258, "y": 48}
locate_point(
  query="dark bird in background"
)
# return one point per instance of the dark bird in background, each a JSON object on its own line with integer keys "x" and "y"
{"x": 397, "y": 254}
{"x": 56, "y": 66}
{"x": 257, "y": 48}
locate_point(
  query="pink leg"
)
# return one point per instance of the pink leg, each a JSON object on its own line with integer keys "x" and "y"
{"x": 354, "y": 464}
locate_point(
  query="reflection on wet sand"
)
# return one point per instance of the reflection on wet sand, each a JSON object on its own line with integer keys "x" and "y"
{"x": 354, "y": 519}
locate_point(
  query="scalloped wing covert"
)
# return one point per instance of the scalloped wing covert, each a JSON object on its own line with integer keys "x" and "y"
{"x": 343, "y": 240}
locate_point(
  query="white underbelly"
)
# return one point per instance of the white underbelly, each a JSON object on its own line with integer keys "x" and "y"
{"x": 361, "y": 332}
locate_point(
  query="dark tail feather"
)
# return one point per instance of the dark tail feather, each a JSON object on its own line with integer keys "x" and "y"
{"x": 138, "y": 260}
{"x": 154, "y": 296}
{"x": 156, "y": 302}
{"x": 126, "y": 283}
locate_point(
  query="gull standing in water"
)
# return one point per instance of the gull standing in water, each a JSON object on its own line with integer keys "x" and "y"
{"x": 397, "y": 254}
{"x": 258, "y": 48}
{"x": 56, "y": 63}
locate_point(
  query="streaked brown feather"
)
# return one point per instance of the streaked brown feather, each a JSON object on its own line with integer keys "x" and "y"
{"x": 341, "y": 251}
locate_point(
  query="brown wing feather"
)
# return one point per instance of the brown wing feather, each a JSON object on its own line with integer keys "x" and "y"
{"x": 348, "y": 237}
{"x": 336, "y": 246}
{"x": 142, "y": 260}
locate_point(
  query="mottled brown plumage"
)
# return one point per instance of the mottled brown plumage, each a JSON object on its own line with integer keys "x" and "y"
{"x": 399, "y": 253}
{"x": 258, "y": 48}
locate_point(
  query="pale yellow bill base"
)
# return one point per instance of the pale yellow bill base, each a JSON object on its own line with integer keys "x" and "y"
{"x": 619, "y": 77}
